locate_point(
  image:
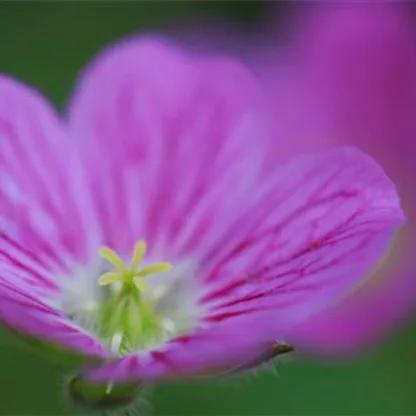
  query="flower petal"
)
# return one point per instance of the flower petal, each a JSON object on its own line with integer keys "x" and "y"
{"x": 25, "y": 312}
{"x": 302, "y": 242}
{"x": 44, "y": 202}
{"x": 307, "y": 239}
{"x": 216, "y": 351}
{"x": 363, "y": 319}
{"x": 42, "y": 228}
{"x": 175, "y": 139}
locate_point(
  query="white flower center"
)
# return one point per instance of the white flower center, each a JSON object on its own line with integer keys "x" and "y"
{"x": 133, "y": 308}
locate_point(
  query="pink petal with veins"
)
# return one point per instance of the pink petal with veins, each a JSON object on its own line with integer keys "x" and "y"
{"x": 176, "y": 136}
{"x": 43, "y": 219}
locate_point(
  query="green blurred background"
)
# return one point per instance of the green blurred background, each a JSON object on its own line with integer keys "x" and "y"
{"x": 46, "y": 44}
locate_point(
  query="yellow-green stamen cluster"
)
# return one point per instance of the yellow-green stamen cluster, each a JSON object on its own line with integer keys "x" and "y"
{"x": 128, "y": 321}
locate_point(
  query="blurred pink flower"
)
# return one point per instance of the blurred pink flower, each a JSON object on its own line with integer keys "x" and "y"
{"x": 346, "y": 74}
{"x": 161, "y": 155}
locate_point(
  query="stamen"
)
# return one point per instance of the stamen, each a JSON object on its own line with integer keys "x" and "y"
{"x": 108, "y": 278}
{"x": 112, "y": 257}
{"x": 133, "y": 274}
{"x": 156, "y": 268}
{"x": 140, "y": 284}
{"x": 139, "y": 251}
{"x": 130, "y": 320}
{"x": 116, "y": 340}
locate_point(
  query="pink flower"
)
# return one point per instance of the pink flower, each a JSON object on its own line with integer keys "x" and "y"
{"x": 161, "y": 160}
